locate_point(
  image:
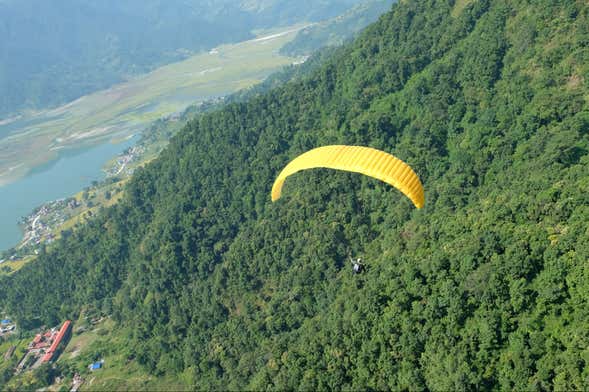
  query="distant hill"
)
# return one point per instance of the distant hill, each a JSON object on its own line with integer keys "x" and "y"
{"x": 485, "y": 288}
{"x": 52, "y": 52}
{"x": 336, "y": 31}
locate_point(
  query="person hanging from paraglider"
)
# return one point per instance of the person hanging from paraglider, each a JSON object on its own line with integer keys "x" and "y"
{"x": 357, "y": 265}
{"x": 358, "y": 159}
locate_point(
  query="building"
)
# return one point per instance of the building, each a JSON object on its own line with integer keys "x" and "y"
{"x": 61, "y": 336}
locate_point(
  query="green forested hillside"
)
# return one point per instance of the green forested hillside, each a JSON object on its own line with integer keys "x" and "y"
{"x": 485, "y": 288}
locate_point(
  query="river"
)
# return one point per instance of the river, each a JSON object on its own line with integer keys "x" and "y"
{"x": 66, "y": 176}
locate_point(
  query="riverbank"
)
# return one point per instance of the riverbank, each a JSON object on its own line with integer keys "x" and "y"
{"x": 51, "y": 220}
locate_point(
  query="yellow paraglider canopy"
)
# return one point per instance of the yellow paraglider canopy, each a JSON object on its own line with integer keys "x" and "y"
{"x": 365, "y": 160}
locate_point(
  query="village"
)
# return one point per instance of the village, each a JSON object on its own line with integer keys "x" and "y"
{"x": 45, "y": 223}
{"x": 45, "y": 347}
{"x": 39, "y": 226}
{"x": 121, "y": 165}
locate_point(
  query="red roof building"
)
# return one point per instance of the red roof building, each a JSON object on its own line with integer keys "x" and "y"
{"x": 62, "y": 332}
{"x": 40, "y": 345}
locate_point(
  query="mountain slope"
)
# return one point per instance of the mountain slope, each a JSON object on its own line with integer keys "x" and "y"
{"x": 336, "y": 31}
{"x": 486, "y": 287}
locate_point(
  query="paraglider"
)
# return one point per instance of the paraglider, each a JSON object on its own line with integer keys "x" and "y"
{"x": 369, "y": 161}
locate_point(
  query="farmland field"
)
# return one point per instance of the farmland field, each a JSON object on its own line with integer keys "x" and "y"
{"x": 33, "y": 139}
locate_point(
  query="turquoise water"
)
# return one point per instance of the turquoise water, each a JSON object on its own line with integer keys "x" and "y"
{"x": 72, "y": 172}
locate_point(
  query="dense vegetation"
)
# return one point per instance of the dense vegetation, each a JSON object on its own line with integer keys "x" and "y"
{"x": 487, "y": 287}
{"x": 52, "y": 52}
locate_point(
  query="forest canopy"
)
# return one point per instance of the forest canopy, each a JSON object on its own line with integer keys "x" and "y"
{"x": 486, "y": 287}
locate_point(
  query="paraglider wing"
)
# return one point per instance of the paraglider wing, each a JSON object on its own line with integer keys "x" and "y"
{"x": 365, "y": 160}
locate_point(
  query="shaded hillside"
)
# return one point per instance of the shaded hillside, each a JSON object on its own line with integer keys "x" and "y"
{"x": 484, "y": 288}
{"x": 336, "y": 31}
